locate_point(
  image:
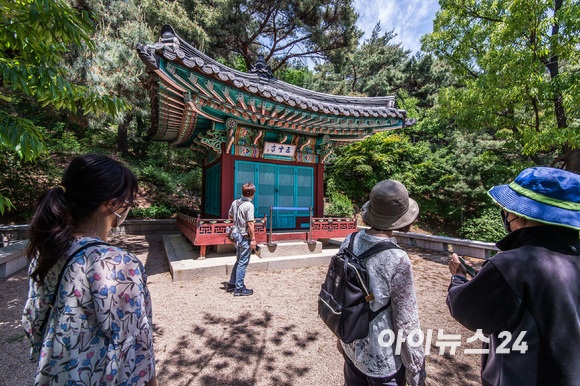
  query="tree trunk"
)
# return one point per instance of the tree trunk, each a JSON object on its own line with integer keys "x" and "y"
{"x": 571, "y": 157}
{"x": 122, "y": 143}
{"x": 572, "y": 160}
{"x": 140, "y": 150}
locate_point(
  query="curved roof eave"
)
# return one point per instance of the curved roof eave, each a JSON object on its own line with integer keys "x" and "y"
{"x": 175, "y": 49}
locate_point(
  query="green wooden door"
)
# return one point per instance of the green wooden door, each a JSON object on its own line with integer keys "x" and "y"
{"x": 304, "y": 190}
{"x": 286, "y": 197}
{"x": 265, "y": 191}
{"x": 278, "y": 186}
{"x": 212, "y": 190}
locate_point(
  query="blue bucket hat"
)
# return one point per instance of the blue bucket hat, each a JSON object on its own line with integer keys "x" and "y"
{"x": 546, "y": 195}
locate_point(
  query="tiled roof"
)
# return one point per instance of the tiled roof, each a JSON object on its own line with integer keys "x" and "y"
{"x": 173, "y": 48}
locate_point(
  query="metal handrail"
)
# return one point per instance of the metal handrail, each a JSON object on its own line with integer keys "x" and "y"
{"x": 309, "y": 209}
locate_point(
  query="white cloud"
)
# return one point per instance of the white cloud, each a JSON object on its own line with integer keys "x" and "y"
{"x": 410, "y": 19}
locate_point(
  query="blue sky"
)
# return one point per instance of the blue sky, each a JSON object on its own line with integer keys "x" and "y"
{"x": 410, "y": 19}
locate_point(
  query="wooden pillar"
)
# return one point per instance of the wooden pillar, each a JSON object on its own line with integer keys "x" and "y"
{"x": 227, "y": 190}
{"x": 203, "y": 182}
{"x": 319, "y": 190}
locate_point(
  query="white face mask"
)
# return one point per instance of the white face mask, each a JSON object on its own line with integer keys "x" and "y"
{"x": 121, "y": 217}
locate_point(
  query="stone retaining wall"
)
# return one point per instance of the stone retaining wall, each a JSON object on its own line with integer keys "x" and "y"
{"x": 13, "y": 258}
{"x": 13, "y": 239}
{"x": 12, "y": 233}
{"x": 463, "y": 247}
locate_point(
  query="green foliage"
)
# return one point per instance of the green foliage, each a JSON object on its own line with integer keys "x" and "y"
{"x": 359, "y": 166}
{"x": 60, "y": 140}
{"x": 446, "y": 170}
{"x": 15, "y": 338}
{"x": 518, "y": 63}
{"x": 159, "y": 178}
{"x": 24, "y": 182}
{"x": 409, "y": 104}
{"x": 154, "y": 211}
{"x": 423, "y": 77}
{"x": 234, "y": 61}
{"x": 339, "y": 206}
{"x": 34, "y": 36}
{"x": 189, "y": 18}
{"x": 191, "y": 182}
{"x": 112, "y": 68}
{"x": 19, "y": 134}
{"x": 371, "y": 70}
{"x": 5, "y": 204}
{"x": 487, "y": 226}
{"x": 379, "y": 67}
{"x": 452, "y": 179}
{"x": 296, "y": 73}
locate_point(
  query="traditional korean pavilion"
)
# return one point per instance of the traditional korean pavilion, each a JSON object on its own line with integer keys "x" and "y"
{"x": 251, "y": 127}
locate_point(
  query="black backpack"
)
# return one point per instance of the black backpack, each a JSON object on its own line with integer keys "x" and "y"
{"x": 343, "y": 301}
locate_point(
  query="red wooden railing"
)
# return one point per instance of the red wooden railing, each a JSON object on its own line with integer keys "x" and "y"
{"x": 204, "y": 232}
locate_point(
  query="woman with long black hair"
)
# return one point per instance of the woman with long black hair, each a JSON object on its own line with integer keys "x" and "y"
{"x": 88, "y": 313}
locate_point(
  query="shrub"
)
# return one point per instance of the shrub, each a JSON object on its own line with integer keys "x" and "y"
{"x": 161, "y": 179}
{"x": 486, "y": 227}
{"x": 191, "y": 182}
{"x": 154, "y": 211}
{"x": 24, "y": 182}
{"x": 339, "y": 206}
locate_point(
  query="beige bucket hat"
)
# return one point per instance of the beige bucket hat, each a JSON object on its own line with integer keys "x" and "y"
{"x": 389, "y": 206}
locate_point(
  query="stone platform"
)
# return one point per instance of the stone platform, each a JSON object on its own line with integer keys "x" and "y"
{"x": 186, "y": 264}
{"x": 13, "y": 258}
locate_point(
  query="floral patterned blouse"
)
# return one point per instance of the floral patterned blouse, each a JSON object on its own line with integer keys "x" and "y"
{"x": 100, "y": 330}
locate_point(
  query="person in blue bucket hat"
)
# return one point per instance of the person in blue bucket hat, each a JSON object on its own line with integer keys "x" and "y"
{"x": 525, "y": 301}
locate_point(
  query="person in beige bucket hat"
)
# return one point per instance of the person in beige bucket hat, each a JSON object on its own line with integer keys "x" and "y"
{"x": 370, "y": 360}
{"x": 390, "y": 206}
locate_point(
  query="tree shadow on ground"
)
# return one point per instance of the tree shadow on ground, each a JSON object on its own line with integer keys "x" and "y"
{"x": 15, "y": 368}
{"x": 237, "y": 351}
{"x": 450, "y": 369}
{"x": 13, "y": 296}
{"x": 156, "y": 261}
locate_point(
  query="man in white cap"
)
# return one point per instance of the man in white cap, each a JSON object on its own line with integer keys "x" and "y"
{"x": 526, "y": 299}
{"x": 369, "y": 361}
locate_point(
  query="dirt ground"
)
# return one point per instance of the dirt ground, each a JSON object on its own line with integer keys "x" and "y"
{"x": 205, "y": 336}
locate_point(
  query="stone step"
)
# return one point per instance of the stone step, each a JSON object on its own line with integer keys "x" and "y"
{"x": 185, "y": 264}
{"x": 289, "y": 248}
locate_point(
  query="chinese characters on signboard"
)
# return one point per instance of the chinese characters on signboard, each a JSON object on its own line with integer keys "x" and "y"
{"x": 279, "y": 149}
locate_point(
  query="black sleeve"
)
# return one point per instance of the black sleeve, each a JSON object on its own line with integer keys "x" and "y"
{"x": 486, "y": 302}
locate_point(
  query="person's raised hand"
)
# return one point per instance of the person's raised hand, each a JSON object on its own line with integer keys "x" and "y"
{"x": 455, "y": 266}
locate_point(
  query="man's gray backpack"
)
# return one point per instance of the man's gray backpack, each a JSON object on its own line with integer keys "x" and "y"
{"x": 232, "y": 232}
